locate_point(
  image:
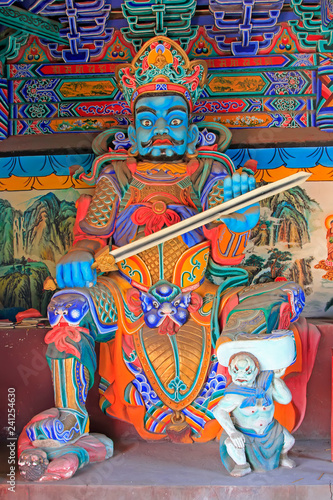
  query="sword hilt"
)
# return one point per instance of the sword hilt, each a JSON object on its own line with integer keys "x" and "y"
{"x": 104, "y": 261}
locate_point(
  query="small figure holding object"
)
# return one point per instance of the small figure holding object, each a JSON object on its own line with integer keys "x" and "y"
{"x": 246, "y": 413}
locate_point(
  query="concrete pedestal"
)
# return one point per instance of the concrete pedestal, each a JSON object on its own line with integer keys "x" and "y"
{"x": 167, "y": 471}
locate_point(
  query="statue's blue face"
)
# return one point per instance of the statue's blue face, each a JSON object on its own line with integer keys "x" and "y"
{"x": 162, "y": 130}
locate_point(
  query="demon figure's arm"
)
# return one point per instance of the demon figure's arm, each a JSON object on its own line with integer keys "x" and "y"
{"x": 94, "y": 226}
{"x": 230, "y": 234}
{"x": 222, "y": 414}
{"x": 281, "y": 392}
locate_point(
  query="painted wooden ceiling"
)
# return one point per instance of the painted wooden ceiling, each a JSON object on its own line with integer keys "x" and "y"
{"x": 270, "y": 63}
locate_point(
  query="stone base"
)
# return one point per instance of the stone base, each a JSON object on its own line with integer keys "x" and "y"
{"x": 167, "y": 471}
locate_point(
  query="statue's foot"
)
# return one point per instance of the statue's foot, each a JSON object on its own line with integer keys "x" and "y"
{"x": 54, "y": 464}
{"x": 241, "y": 470}
{"x": 285, "y": 461}
{"x": 33, "y": 464}
{"x": 38, "y": 461}
{"x": 52, "y": 432}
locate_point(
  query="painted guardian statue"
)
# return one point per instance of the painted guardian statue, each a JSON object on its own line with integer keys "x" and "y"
{"x": 159, "y": 315}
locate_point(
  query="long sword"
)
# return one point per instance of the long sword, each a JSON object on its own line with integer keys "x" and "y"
{"x": 105, "y": 259}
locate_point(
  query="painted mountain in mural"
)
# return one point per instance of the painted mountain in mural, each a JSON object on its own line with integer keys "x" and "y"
{"x": 44, "y": 231}
{"x": 283, "y": 228}
{"x": 285, "y": 218}
{"x": 48, "y": 227}
{"x": 7, "y": 217}
{"x": 300, "y": 271}
{"x": 21, "y": 285}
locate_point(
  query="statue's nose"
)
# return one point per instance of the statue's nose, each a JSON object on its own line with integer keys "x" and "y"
{"x": 160, "y": 126}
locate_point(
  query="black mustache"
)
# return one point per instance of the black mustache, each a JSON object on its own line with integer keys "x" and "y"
{"x": 151, "y": 141}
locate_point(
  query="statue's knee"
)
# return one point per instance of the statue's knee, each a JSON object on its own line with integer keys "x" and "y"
{"x": 66, "y": 312}
{"x": 67, "y": 308}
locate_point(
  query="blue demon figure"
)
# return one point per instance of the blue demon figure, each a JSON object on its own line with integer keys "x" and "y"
{"x": 156, "y": 314}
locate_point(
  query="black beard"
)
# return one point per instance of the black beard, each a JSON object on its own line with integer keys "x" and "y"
{"x": 162, "y": 158}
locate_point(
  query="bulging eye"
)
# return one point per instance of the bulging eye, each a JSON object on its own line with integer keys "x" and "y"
{"x": 146, "y": 123}
{"x": 176, "y": 303}
{"x": 175, "y": 122}
{"x": 155, "y": 304}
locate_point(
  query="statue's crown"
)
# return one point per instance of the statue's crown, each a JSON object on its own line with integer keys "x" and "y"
{"x": 161, "y": 66}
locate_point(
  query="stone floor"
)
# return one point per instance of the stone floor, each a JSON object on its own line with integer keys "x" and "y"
{"x": 166, "y": 471}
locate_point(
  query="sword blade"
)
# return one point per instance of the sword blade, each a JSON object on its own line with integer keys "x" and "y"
{"x": 209, "y": 215}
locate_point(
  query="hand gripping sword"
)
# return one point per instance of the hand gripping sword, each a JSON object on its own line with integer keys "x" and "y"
{"x": 106, "y": 259}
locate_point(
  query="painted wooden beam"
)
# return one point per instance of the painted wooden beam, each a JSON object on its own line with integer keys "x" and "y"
{"x": 25, "y": 21}
{"x": 24, "y": 145}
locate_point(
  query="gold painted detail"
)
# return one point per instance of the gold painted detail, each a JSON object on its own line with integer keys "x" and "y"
{"x": 159, "y": 207}
{"x": 216, "y": 196}
{"x": 172, "y": 251}
{"x": 104, "y": 261}
{"x": 176, "y": 372}
{"x": 237, "y": 84}
{"x": 164, "y": 193}
{"x": 151, "y": 258}
{"x": 84, "y": 88}
{"x": 323, "y": 265}
{"x": 170, "y": 168}
{"x": 102, "y": 206}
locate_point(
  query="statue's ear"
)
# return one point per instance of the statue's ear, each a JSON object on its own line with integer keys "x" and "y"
{"x": 192, "y": 139}
{"x": 132, "y": 137}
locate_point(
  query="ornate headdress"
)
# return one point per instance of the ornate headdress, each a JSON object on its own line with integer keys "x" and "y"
{"x": 162, "y": 66}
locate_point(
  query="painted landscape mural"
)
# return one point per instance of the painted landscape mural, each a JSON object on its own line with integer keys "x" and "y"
{"x": 283, "y": 229}
{"x": 33, "y": 236}
{"x": 289, "y": 242}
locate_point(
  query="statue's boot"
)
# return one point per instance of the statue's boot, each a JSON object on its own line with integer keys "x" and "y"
{"x": 63, "y": 425}
{"x": 57, "y": 442}
{"x": 51, "y": 464}
{"x": 71, "y": 382}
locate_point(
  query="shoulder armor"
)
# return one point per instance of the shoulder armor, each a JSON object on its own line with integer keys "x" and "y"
{"x": 102, "y": 210}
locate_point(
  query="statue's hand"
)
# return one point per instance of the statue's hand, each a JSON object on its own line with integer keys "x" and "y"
{"x": 245, "y": 218}
{"x": 237, "y": 439}
{"x": 74, "y": 270}
{"x": 279, "y": 373}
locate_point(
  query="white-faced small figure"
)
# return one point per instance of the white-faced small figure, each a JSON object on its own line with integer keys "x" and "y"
{"x": 252, "y": 438}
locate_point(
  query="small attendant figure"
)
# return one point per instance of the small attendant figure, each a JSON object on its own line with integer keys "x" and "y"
{"x": 252, "y": 438}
